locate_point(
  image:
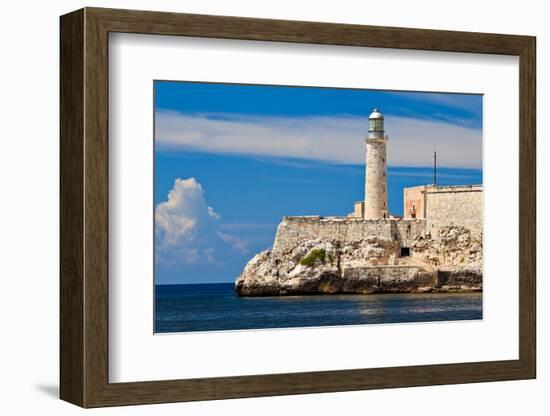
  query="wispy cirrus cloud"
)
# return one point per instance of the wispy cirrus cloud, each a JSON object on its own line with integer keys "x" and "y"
{"x": 336, "y": 139}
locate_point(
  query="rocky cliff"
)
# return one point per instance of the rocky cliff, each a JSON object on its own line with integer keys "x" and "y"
{"x": 451, "y": 261}
{"x": 456, "y": 252}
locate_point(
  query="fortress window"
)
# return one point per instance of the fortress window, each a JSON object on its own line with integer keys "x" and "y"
{"x": 405, "y": 251}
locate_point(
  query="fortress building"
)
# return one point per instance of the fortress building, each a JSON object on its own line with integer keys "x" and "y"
{"x": 427, "y": 208}
{"x": 435, "y": 246}
{"x": 445, "y": 205}
{"x": 433, "y": 204}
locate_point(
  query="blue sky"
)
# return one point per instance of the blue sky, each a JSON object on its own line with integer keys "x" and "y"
{"x": 232, "y": 160}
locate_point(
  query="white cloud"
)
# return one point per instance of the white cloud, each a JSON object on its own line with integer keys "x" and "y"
{"x": 338, "y": 139}
{"x": 187, "y": 229}
{"x": 235, "y": 242}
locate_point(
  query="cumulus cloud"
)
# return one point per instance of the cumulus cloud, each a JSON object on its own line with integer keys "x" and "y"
{"x": 338, "y": 139}
{"x": 187, "y": 230}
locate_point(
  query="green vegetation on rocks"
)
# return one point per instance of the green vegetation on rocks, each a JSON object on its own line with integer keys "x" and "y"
{"x": 313, "y": 256}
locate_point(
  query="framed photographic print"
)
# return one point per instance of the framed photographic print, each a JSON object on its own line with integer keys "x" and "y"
{"x": 256, "y": 207}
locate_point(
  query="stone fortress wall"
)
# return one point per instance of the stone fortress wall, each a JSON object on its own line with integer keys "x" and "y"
{"x": 445, "y": 205}
{"x": 292, "y": 230}
{"x": 427, "y": 209}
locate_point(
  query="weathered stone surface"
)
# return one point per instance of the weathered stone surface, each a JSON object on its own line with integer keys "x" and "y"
{"x": 451, "y": 246}
{"x": 448, "y": 262}
{"x": 376, "y": 183}
{"x": 293, "y": 230}
{"x": 455, "y": 205}
{"x": 441, "y": 206}
{"x": 467, "y": 276}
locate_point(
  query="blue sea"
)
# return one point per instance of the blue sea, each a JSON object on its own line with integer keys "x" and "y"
{"x": 215, "y": 307}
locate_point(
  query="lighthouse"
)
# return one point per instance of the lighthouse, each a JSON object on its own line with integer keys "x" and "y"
{"x": 376, "y": 182}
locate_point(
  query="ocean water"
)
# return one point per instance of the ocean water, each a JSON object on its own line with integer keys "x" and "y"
{"x": 215, "y": 307}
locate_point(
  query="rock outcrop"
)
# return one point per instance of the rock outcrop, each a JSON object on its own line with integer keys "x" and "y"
{"x": 451, "y": 261}
{"x": 456, "y": 252}
{"x": 453, "y": 246}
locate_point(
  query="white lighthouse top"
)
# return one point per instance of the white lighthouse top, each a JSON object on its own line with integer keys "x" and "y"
{"x": 376, "y": 114}
{"x": 376, "y": 125}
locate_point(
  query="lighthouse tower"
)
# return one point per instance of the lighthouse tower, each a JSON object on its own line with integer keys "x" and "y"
{"x": 376, "y": 186}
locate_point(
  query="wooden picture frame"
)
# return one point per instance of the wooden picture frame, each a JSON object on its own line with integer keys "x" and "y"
{"x": 84, "y": 207}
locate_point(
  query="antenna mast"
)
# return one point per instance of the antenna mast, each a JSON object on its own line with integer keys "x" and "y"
{"x": 435, "y": 167}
